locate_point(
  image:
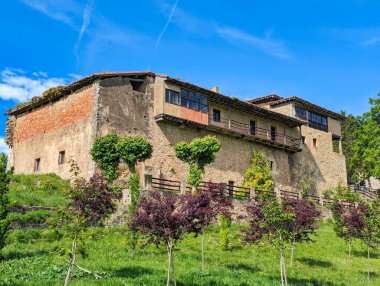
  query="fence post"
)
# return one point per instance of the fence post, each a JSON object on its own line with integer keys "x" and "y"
{"x": 252, "y": 194}
{"x": 321, "y": 200}
{"x": 183, "y": 187}
{"x": 278, "y": 193}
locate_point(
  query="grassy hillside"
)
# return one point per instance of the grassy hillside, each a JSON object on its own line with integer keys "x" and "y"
{"x": 323, "y": 263}
{"x": 38, "y": 190}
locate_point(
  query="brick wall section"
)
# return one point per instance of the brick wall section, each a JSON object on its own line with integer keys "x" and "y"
{"x": 65, "y": 125}
{"x": 48, "y": 118}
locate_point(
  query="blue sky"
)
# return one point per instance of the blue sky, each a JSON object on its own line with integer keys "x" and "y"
{"x": 324, "y": 51}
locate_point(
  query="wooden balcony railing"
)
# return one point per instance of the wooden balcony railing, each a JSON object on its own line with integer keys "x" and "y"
{"x": 258, "y": 133}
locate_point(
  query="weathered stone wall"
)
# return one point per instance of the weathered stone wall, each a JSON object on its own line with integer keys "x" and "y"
{"x": 64, "y": 125}
{"x": 231, "y": 161}
{"x": 319, "y": 163}
{"x": 286, "y": 108}
{"x": 334, "y": 126}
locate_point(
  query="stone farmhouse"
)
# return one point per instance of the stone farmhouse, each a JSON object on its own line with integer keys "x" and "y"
{"x": 300, "y": 139}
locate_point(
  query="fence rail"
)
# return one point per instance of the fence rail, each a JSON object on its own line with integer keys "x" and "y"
{"x": 166, "y": 185}
{"x": 243, "y": 193}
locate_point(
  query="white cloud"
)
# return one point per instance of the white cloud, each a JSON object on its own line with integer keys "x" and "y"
{"x": 267, "y": 45}
{"x": 361, "y": 36}
{"x": 3, "y": 146}
{"x": 60, "y": 10}
{"x": 86, "y": 21}
{"x": 17, "y": 85}
{"x": 100, "y": 35}
{"x": 232, "y": 35}
{"x": 166, "y": 25}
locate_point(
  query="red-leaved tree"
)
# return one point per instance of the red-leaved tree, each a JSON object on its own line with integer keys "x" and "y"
{"x": 305, "y": 224}
{"x": 363, "y": 223}
{"x": 164, "y": 219}
{"x": 204, "y": 207}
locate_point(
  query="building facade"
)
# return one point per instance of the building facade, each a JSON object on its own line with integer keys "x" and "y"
{"x": 300, "y": 139}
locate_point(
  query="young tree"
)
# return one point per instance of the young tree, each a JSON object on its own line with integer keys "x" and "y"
{"x": 338, "y": 212}
{"x": 132, "y": 150}
{"x": 4, "y": 200}
{"x": 269, "y": 222}
{"x": 105, "y": 154}
{"x": 198, "y": 154}
{"x": 204, "y": 207}
{"x": 306, "y": 221}
{"x": 259, "y": 175}
{"x": 363, "y": 223}
{"x": 165, "y": 219}
{"x": 90, "y": 203}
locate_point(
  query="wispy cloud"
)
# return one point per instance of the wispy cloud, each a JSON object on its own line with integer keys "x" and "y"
{"x": 86, "y": 21}
{"x": 267, "y": 45}
{"x": 166, "y": 25}
{"x": 16, "y": 84}
{"x": 101, "y": 33}
{"x": 231, "y": 35}
{"x": 364, "y": 37}
{"x": 60, "y": 10}
{"x": 3, "y": 146}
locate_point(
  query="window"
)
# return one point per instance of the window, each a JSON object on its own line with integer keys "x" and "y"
{"x": 273, "y": 133}
{"x": 37, "y": 164}
{"x": 315, "y": 143}
{"x": 216, "y": 115}
{"x": 303, "y": 139}
{"x": 317, "y": 121}
{"x": 193, "y": 101}
{"x": 172, "y": 96}
{"x": 252, "y": 127}
{"x": 301, "y": 112}
{"x": 61, "y": 158}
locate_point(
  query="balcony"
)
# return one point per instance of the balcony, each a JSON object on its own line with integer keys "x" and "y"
{"x": 239, "y": 130}
{"x": 262, "y": 135}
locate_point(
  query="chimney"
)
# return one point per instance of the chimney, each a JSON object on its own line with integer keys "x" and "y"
{"x": 215, "y": 89}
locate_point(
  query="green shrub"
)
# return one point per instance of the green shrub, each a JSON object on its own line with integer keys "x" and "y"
{"x": 35, "y": 217}
{"x": 225, "y": 224}
{"x": 24, "y": 236}
{"x": 342, "y": 193}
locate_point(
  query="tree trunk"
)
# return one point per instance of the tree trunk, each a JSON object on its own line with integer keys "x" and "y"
{"x": 292, "y": 254}
{"x": 281, "y": 269}
{"x": 283, "y": 265}
{"x": 349, "y": 250}
{"x": 203, "y": 250}
{"x": 70, "y": 271}
{"x": 169, "y": 264}
{"x": 174, "y": 277}
{"x": 369, "y": 265}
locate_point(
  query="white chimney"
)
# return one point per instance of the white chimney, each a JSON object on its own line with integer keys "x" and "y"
{"x": 215, "y": 89}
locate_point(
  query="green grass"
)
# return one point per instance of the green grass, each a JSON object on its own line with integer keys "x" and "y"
{"x": 323, "y": 263}
{"x": 38, "y": 190}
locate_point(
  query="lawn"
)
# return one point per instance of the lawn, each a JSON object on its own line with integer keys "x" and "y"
{"x": 325, "y": 262}
{"x": 38, "y": 190}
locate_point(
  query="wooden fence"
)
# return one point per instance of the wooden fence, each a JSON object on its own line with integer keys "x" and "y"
{"x": 243, "y": 193}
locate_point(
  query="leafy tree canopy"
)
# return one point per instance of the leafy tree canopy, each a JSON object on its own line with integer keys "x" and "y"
{"x": 198, "y": 153}
{"x": 366, "y": 150}
{"x": 106, "y": 155}
{"x": 134, "y": 149}
{"x": 258, "y": 175}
